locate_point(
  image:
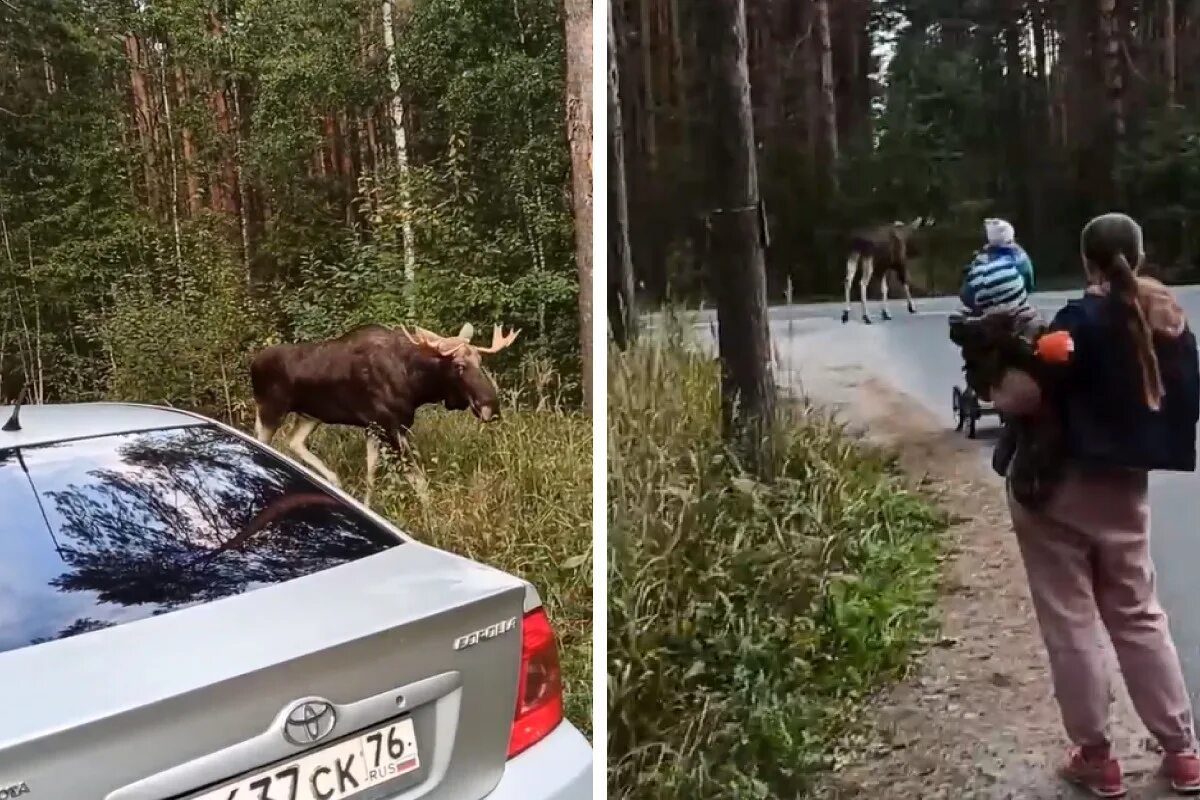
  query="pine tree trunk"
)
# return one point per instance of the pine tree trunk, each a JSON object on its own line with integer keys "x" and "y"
{"x": 1040, "y": 70}
{"x": 851, "y": 38}
{"x": 1021, "y": 185}
{"x": 649, "y": 131}
{"x": 640, "y": 176}
{"x": 1113, "y": 83}
{"x": 810, "y": 56}
{"x": 1169, "y": 52}
{"x": 400, "y": 132}
{"x": 328, "y": 154}
{"x": 222, "y": 184}
{"x": 142, "y": 118}
{"x": 579, "y": 137}
{"x": 622, "y": 311}
{"x": 225, "y": 191}
{"x": 736, "y": 249}
{"x": 828, "y": 113}
{"x": 195, "y": 203}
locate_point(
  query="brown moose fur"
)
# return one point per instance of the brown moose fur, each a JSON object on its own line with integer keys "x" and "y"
{"x": 373, "y": 377}
{"x": 881, "y": 250}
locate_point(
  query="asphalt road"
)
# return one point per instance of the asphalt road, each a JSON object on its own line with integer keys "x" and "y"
{"x": 914, "y": 353}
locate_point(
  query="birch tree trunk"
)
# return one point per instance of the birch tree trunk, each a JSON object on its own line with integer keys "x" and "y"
{"x": 579, "y": 136}
{"x": 735, "y": 257}
{"x": 166, "y": 100}
{"x": 401, "y": 140}
{"x": 238, "y": 160}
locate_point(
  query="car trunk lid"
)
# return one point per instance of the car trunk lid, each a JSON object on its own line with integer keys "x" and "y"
{"x": 167, "y": 706}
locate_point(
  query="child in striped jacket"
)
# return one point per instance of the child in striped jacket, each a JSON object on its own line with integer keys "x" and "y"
{"x": 1001, "y": 276}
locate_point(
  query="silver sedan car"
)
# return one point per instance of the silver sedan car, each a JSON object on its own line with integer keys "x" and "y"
{"x": 187, "y": 615}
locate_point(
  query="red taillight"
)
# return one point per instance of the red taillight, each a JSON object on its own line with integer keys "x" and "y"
{"x": 539, "y": 693}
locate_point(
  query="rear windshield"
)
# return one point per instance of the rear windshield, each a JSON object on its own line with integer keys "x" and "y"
{"x": 98, "y": 532}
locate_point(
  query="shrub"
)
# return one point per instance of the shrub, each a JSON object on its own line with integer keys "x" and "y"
{"x": 181, "y": 333}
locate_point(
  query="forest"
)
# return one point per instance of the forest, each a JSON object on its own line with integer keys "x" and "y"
{"x": 1043, "y": 112}
{"x": 184, "y": 181}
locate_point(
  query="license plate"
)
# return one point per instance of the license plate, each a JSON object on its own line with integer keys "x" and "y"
{"x": 338, "y": 771}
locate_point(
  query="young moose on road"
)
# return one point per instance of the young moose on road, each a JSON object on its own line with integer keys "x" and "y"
{"x": 374, "y": 378}
{"x": 882, "y": 249}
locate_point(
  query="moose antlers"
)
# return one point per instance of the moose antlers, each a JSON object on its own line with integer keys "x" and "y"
{"x": 449, "y": 345}
{"x": 499, "y": 340}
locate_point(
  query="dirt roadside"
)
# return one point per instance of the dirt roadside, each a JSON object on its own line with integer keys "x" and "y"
{"x": 976, "y": 717}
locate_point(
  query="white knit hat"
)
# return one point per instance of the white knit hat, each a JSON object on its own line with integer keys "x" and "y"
{"x": 999, "y": 232}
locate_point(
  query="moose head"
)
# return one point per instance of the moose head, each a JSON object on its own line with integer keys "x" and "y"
{"x": 465, "y": 383}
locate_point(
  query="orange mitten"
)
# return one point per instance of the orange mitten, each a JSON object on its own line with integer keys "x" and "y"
{"x": 1055, "y": 348}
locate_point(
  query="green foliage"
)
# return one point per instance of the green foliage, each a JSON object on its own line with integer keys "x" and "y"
{"x": 1162, "y": 170}
{"x": 747, "y": 622}
{"x": 98, "y": 285}
{"x": 179, "y": 333}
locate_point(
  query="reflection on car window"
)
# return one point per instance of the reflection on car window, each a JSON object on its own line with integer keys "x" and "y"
{"x": 145, "y": 523}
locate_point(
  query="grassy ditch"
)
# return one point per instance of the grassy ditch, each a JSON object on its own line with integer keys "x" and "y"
{"x": 747, "y": 623}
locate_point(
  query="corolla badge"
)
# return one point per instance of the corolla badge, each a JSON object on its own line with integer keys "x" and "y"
{"x": 309, "y": 721}
{"x": 483, "y": 634}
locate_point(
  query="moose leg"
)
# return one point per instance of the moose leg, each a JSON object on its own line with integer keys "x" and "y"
{"x": 851, "y": 269}
{"x": 265, "y": 425}
{"x": 883, "y": 290}
{"x": 261, "y": 431}
{"x": 399, "y": 441}
{"x": 303, "y": 430}
{"x": 376, "y": 438}
{"x": 902, "y": 276}
{"x": 868, "y": 266}
{"x": 372, "y": 465}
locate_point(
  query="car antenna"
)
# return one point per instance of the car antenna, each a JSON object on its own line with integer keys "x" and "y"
{"x": 14, "y": 422}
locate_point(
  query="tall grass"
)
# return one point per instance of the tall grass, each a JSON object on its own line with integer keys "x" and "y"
{"x": 515, "y": 494}
{"x": 747, "y": 622}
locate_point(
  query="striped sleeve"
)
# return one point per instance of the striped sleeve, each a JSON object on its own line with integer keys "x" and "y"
{"x": 996, "y": 283}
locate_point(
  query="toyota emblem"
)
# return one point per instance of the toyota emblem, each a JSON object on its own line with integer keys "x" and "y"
{"x": 309, "y": 721}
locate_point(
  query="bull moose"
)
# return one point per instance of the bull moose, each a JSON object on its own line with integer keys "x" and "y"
{"x": 882, "y": 249}
{"x": 373, "y": 377}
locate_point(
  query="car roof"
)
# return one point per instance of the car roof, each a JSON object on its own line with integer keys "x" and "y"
{"x": 45, "y": 424}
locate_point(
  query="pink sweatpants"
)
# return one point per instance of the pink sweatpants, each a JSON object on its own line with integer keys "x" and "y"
{"x": 1087, "y": 555}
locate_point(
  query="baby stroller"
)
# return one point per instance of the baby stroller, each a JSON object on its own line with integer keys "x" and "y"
{"x": 968, "y": 408}
{"x": 970, "y": 402}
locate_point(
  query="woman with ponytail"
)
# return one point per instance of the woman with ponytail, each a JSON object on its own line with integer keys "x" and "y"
{"x": 1128, "y": 401}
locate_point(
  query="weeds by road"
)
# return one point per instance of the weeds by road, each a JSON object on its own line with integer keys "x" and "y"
{"x": 747, "y": 623}
{"x": 515, "y": 494}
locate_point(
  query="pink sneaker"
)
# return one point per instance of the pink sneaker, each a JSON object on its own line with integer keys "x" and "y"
{"x": 1182, "y": 770}
{"x": 1099, "y": 776}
